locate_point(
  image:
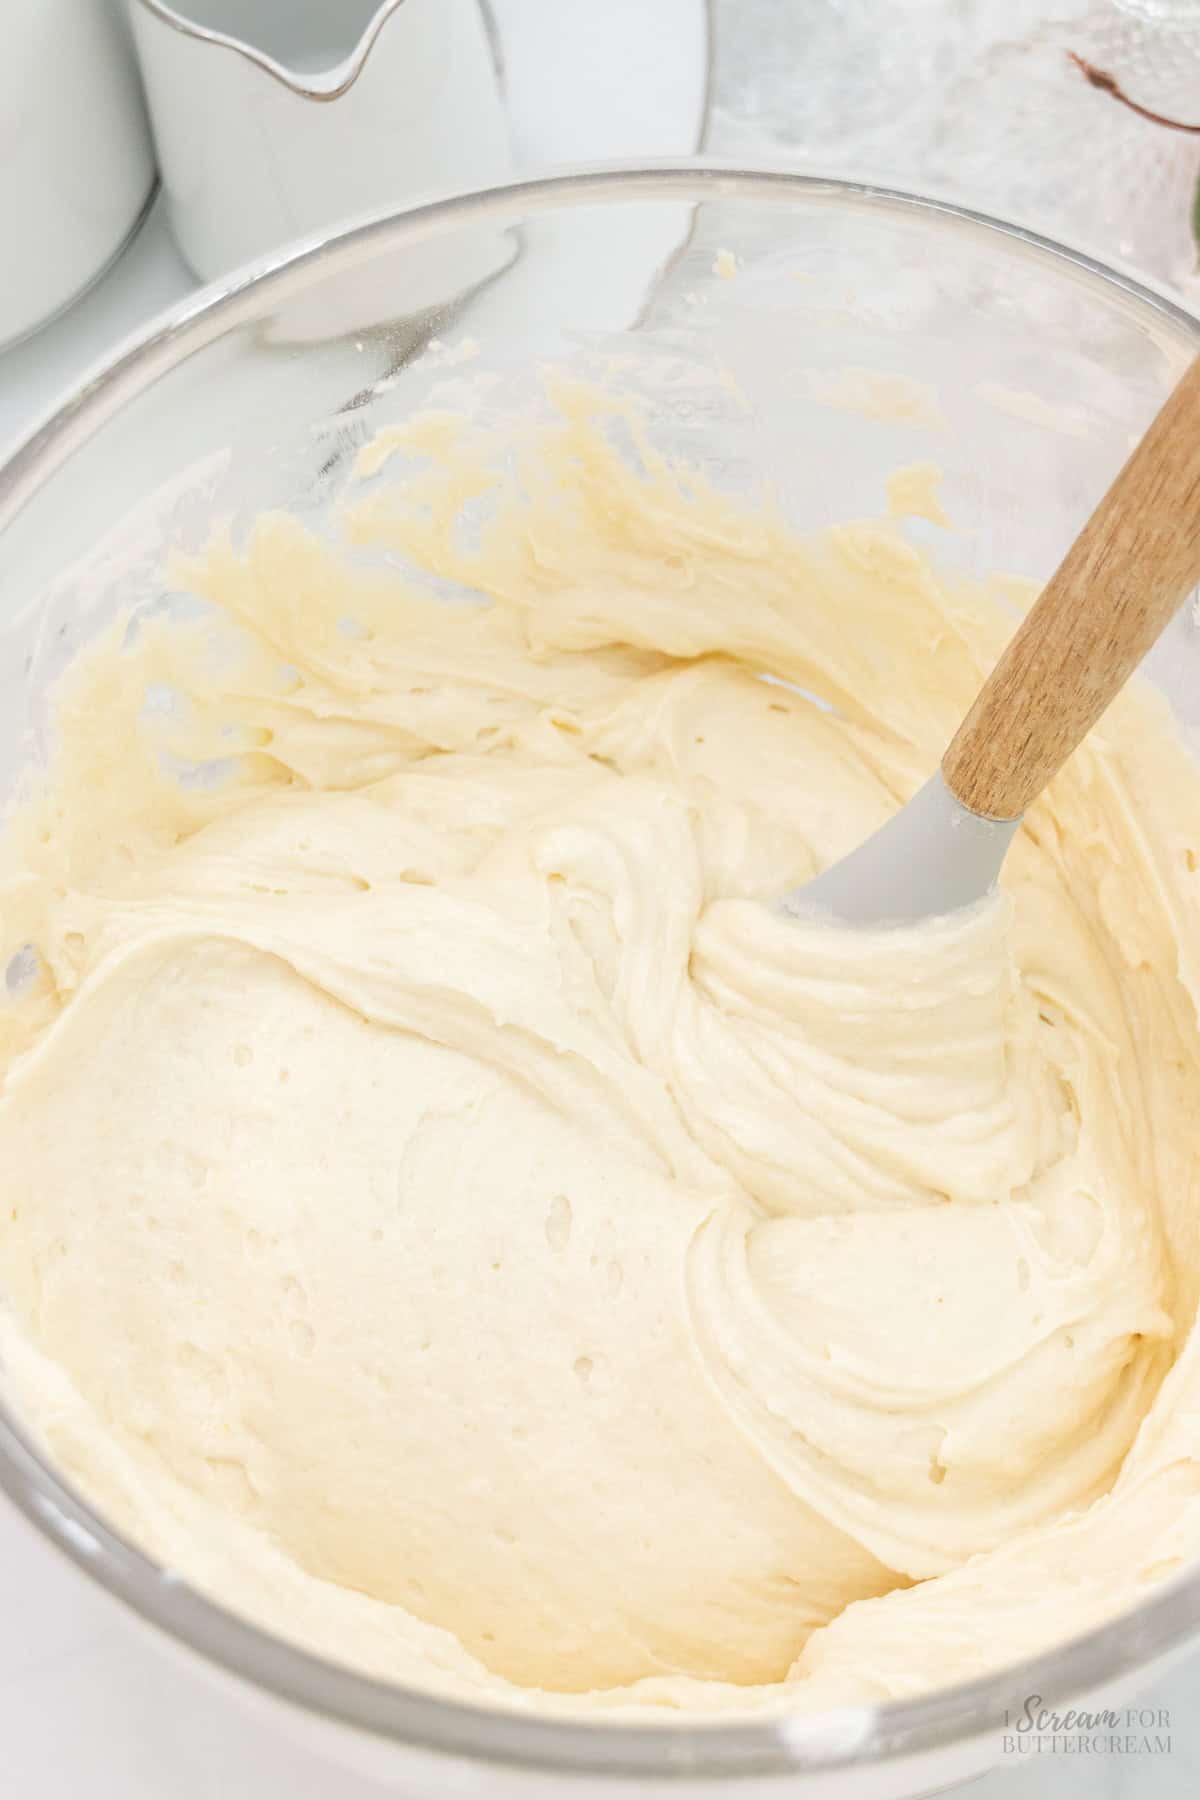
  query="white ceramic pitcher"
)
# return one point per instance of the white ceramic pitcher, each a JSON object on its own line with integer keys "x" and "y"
{"x": 275, "y": 118}
{"x": 76, "y": 168}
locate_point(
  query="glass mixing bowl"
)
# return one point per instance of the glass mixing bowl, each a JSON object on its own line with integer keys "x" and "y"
{"x": 812, "y": 333}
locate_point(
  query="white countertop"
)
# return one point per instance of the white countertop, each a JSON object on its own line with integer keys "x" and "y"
{"x": 89, "y": 1707}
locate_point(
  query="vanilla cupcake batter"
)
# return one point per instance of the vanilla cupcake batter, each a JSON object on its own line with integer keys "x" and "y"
{"x": 452, "y": 1219}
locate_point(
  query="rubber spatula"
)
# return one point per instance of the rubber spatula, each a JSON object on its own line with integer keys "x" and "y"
{"x": 1121, "y": 582}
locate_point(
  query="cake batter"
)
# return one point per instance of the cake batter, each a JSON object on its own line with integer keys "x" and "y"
{"x": 452, "y": 1219}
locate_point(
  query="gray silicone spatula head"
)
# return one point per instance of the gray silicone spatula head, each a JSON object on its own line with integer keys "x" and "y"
{"x": 1120, "y": 583}
{"x": 932, "y": 857}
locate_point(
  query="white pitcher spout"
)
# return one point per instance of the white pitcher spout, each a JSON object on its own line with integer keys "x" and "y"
{"x": 317, "y": 50}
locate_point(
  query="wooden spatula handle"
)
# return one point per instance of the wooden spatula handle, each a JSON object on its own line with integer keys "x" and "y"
{"x": 1131, "y": 567}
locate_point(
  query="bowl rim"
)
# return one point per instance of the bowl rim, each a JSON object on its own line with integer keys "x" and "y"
{"x": 408, "y": 1717}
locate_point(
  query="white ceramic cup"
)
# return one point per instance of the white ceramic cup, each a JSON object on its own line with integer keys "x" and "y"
{"x": 76, "y": 162}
